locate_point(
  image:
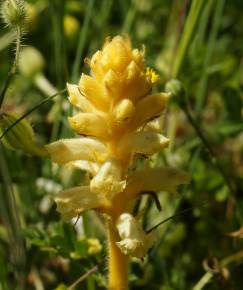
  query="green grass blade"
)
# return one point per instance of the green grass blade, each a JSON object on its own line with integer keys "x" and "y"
{"x": 82, "y": 41}
{"x": 190, "y": 25}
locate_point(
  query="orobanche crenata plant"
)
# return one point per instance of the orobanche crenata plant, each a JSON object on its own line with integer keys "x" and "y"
{"x": 119, "y": 119}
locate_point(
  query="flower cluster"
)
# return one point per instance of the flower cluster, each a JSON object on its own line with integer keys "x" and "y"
{"x": 118, "y": 118}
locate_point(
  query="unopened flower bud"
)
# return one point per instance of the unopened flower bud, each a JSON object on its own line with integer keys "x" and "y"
{"x": 13, "y": 12}
{"x": 31, "y": 16}
{"x": 176, "y": 89}
{"x": 71, "y": 26}
{"x": 31, "y": 61}
{"x": 20, "y": 136}
{"x": 94, "y": 246}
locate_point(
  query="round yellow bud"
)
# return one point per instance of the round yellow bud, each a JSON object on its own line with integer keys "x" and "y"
{"x": 94, "y": 246}
{"x": 31, "y": 16}
{"x": 31, "y": 61}
{"x": 71, "y": 26}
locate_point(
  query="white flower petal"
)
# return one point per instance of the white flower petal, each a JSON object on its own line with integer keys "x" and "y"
{"x": 135, "y": 241}
{"x": 66, "y": 150}
{"x": 108, "y": 179}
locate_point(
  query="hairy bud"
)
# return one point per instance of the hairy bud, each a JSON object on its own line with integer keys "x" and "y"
{"x": 13, "y": 13}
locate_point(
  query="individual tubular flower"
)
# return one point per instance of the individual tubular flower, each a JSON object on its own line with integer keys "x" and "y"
{"x": 108, "y": 179}
{"x": 118, "y": 117}
{"x": 73, "y": 201}
{"x": 134, "y": 241}
{"x": 156, "y": 179}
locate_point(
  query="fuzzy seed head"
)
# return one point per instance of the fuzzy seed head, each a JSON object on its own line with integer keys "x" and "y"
{"x": 13, "y": 13}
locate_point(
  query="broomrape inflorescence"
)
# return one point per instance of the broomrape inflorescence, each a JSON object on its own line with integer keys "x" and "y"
{"x": 118, "y": 119}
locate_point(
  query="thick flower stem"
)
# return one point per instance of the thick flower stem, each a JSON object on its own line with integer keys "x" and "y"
{"x": 118, "y": 263}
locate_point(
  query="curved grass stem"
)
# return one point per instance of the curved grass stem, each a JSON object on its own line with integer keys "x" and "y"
{"x": 30, "y": 111}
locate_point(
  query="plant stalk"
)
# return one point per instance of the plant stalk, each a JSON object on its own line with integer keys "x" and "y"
{"x": 118, "y": 262}
{"x": 13, "y": 69}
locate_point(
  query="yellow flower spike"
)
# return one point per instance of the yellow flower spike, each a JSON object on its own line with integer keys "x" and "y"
{"x": 121, "y": 117}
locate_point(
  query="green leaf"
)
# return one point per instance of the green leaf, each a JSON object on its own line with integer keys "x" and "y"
{"x": 233, "y": 103}
{"x": 61, "y": 287}
{"x": 230, "y": 128}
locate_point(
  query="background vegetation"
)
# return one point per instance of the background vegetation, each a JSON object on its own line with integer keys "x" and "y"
{"x": 198, "y": 42}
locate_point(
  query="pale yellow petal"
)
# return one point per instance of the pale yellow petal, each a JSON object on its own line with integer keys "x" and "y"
{"x": 94, "y": 92}
{"x": 138, "y": 57}
{"x": 134, "y": 241}
{"x": 124, "y": 111}
{"x": 142, "y": 142}
{"x": 116, "y": 54}
{"x": 148, "y": 108}
{"x": 108, "y": 180}
{"x": 156, "y": 179}
{"x": 90, "y": 124}
{"x": 112, "y": 83}
{"x": 155, "y": 125}
{"x": 78, "y": 100}
{"x": 95, "y": 66}
{"x": 67, "y": 150}
{"x": 74, "y": 200}
{"x": 91, "y": 167}
{"x": 135, "y": 84}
